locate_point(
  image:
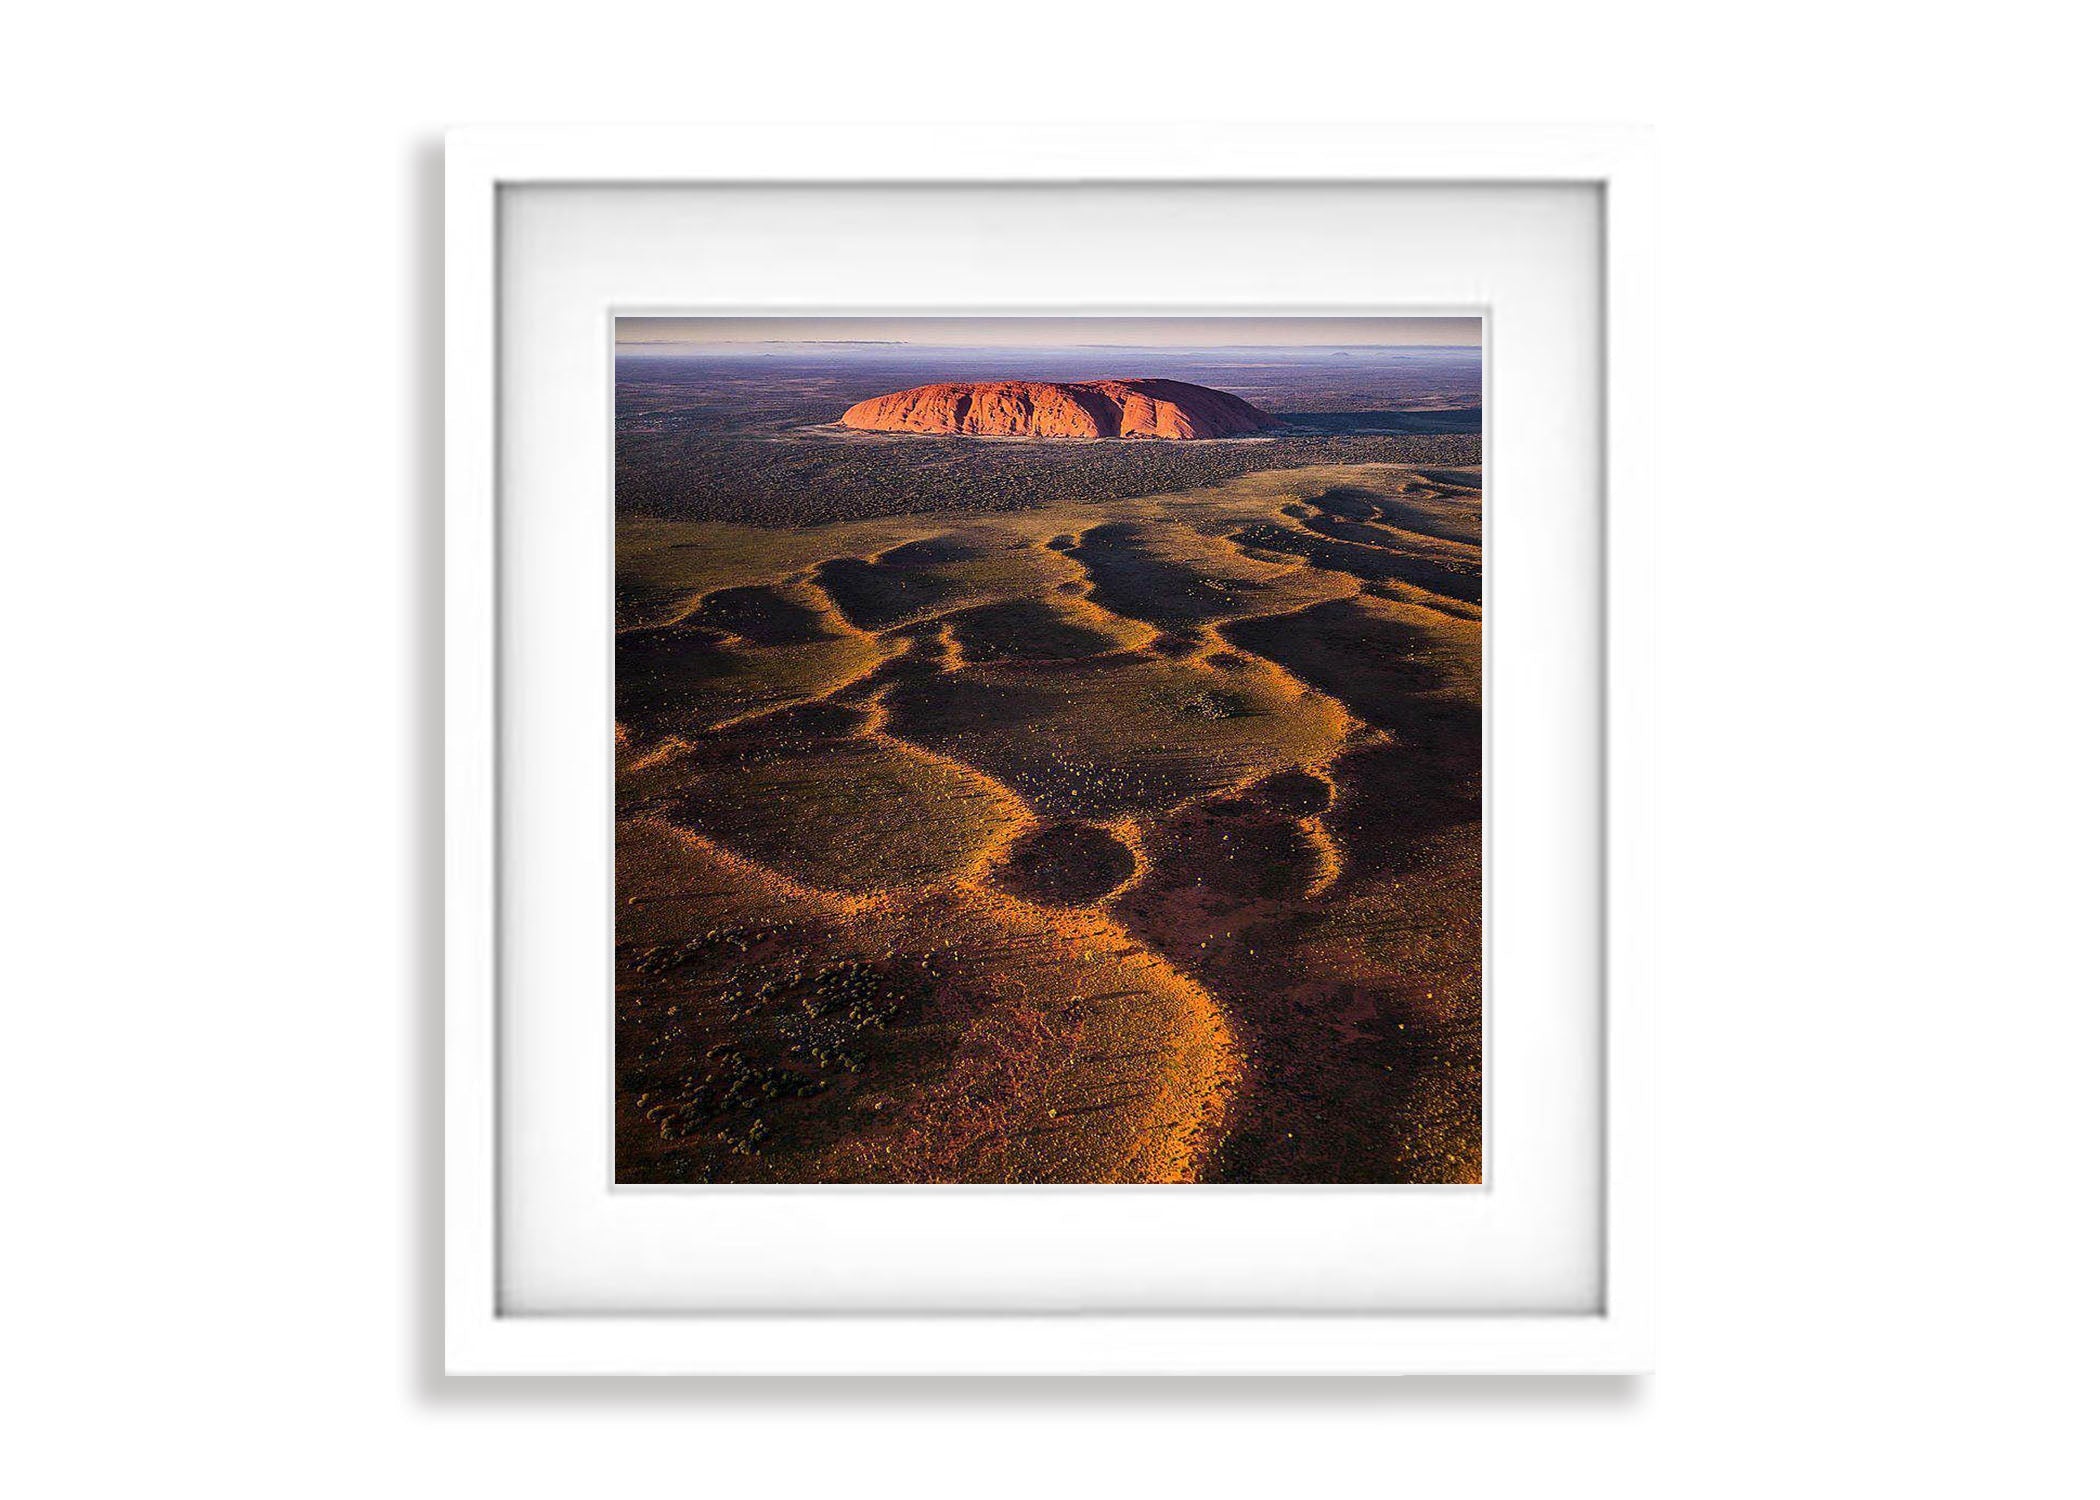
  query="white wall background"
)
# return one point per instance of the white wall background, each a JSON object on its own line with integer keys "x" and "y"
{"x": 220, "y": 480}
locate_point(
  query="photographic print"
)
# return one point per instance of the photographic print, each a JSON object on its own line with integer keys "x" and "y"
{"x": 1048, "y": 750}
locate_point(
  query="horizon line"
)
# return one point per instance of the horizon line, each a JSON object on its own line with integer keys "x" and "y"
{"x": 702, "y": 344}
{"x": 1057, "y": 330}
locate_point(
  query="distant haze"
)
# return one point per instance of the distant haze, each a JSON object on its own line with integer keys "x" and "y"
{"x": 700, "y": 335}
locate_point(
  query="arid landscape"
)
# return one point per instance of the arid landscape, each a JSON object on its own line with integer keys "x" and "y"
{"x": 1001, "y": 807}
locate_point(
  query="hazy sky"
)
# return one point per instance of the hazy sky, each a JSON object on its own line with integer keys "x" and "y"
{"x": 637, "y": 335}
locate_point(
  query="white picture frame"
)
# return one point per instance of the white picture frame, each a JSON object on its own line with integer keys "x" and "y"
{"x": 479, "y": 1337}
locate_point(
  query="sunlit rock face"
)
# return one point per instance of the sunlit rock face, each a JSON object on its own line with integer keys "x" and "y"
{"x": 1062, "y": 409}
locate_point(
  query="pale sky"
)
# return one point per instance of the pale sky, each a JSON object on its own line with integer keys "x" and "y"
{"x": 664, "y": 335}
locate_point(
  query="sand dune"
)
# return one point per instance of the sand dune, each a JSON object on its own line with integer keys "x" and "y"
{"x": 1128, "y": 841}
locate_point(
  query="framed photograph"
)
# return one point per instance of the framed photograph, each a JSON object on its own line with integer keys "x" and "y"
{"x": 1043, "y": 777}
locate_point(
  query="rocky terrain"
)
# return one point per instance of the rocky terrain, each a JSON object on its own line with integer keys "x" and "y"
{"x": 1172, "y": 409}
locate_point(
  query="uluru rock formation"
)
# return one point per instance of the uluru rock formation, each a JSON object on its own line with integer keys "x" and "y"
{"x": 1063, "y": 409}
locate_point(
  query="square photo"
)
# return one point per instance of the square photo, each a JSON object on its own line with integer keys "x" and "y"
{"x": 1048, "y": 750}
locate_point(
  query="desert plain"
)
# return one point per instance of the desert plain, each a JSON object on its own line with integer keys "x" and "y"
{"x": 1045, "y": 810}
